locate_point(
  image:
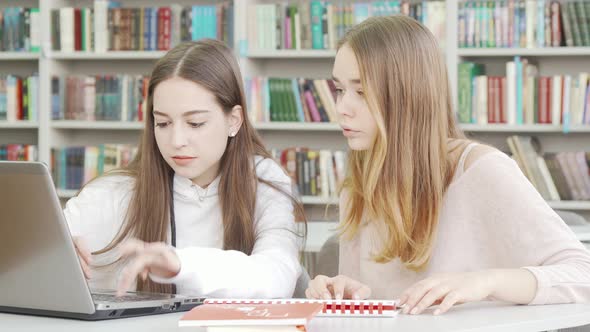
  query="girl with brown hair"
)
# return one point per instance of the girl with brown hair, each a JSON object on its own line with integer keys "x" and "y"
{"x": 427, "y": 216}
{"x": 202, "y": 209}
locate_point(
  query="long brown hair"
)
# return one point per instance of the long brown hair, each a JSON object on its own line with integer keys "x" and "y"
{"x": 210, "y": 64}
{"x": 400, "y": 181}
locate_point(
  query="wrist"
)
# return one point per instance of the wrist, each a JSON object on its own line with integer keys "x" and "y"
{"x": 495, "y": 277}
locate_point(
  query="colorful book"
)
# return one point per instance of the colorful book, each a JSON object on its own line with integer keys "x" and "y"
{"x": 247, "y": 313}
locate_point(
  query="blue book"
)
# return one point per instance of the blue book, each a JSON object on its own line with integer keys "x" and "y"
{"x": 197, "y": 22}
{"x": 361, "y": 12}
{"x": 213, "y": 22}
{"x": 297, "y": 96}
{"x": 317, "y": 35}
{"x": 154, "y": 30}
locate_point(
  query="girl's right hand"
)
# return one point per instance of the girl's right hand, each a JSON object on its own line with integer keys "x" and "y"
{"x": 339, "y": 287}
{"x": 84, "y": 255}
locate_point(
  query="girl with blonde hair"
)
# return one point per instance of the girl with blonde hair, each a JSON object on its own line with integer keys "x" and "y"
{"x": 427, "y": 216}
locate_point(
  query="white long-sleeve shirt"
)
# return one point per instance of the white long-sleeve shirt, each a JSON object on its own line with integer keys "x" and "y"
{"x": 271, "y": 270}
{"x": 492, "y": 217}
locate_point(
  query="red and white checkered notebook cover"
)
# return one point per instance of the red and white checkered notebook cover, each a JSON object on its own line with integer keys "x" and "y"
{"x": 344, "y": 308}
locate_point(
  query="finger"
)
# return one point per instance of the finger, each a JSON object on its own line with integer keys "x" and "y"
{"x": 312, "y": 293}
{"x": 320, "y": 286}
{"x": 131, "y": 271}
{"x": 449, "y": 300}
{"x": 82, "y": 250}
{"x": 416, "y": 293}
{"x": 430, "y": 298}
{"x": 338, "y": 285}
{"x": 360, "y": 292}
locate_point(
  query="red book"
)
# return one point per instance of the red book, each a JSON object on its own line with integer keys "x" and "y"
{"x": 167, "y": 26}
{"x": 247, "y": 314}
{"x": 77, "y": 29}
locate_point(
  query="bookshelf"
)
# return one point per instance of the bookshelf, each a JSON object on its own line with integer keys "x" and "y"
{"x": 314, "y": 64}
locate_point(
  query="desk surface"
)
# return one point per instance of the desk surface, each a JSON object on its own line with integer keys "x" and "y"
{"x": 478, "y": 317}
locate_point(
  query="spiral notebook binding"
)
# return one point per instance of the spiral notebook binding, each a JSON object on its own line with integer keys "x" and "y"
{"x": 385, "y": 308}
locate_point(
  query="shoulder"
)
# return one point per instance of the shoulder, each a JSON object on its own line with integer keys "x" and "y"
{"x": 269, "y": 170}
{"x": 108, "y": 186}
{"x": 479, "y": 152}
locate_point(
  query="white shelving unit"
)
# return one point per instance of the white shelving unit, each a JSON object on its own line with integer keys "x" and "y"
{"x": 278, "y": 63}
{"x": 536, "y": 52}
{"x": 98, "y": 125}
{"x": 19, "y": 125}
{"x": 119, "y": 55}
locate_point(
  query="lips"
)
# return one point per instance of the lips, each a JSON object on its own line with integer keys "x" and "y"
{"x": 349, "y": 132}
{"x": 183, "y": 160}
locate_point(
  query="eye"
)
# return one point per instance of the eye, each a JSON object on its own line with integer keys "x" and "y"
{"x": 162, "y": 124}
{"x": 195, "y": 124}
{"x": 360, "y": 93}
{"x": 339, "y": 91}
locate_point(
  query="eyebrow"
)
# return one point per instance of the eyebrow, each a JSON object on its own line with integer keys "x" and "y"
{"x": 183, "y": 114}
{"x": 355, "y": 81}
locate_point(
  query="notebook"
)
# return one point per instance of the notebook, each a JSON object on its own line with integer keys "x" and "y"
{"x": 331, "y": 308}
{"x": 250, "y": 314}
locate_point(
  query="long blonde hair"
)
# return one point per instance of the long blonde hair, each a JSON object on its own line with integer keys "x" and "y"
{"x": 402, "y": 178}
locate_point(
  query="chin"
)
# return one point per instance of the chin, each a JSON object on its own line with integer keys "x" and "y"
{"x": 357, "y": 145}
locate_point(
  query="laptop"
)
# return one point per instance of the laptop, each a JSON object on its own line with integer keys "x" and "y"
{"x": 40, "y": 273}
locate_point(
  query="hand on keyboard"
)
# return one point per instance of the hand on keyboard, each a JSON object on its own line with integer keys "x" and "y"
{"x": 155, "y": 258}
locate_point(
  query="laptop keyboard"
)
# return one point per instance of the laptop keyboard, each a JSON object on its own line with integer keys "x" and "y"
{"x": 128, "y": 298}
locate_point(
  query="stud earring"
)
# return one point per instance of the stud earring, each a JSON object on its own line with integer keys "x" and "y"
{"x": 233, "y": 134}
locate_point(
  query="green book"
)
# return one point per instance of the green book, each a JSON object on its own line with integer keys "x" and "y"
{"x": 467, "y": 72}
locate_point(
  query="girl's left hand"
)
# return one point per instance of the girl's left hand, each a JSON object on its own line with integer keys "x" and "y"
{"x": 155, "y": 258}
{"x": 448, "y": 290}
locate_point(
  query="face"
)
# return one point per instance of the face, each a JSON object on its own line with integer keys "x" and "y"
{"x": 191, "y": 129}
{"x": 357, "y": 122}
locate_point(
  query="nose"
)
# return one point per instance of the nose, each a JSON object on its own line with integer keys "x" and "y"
{"x": 343, "y": 106}
{"x": 179, "y": 136}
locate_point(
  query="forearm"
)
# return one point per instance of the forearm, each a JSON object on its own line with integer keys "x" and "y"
{"x": 513, "y": 285}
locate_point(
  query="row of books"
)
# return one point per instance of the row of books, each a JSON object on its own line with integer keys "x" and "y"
{"x": 20, "y": 29}
{"x": 19, "y": 98}
{"x": 18, "y": 152}
{"x": 522, "y": 97}
{"x": 108, "y": 26}
{"x": 315, "y": 172}
{"x": 556, "y": 176}
{"x": 291, "y": 100}
{"x": 320, "y": 24}
{"x": 100, "y": 97}
{"x": 74, "y": 166}
{"x": 523, "y": 23}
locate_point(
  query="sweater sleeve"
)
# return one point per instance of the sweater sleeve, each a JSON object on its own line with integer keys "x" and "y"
{"x": 96, "y": 215}
{"x": 270, "y": 271}
{"x": 528, "y": 233}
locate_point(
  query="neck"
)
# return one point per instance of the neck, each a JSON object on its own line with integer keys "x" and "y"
{"x": 205, "y": 179}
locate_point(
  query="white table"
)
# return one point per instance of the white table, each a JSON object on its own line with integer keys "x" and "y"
{"x": 478, "y": 317}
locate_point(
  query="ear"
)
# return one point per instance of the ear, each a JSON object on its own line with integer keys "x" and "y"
{"x": 235, "y": 120}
